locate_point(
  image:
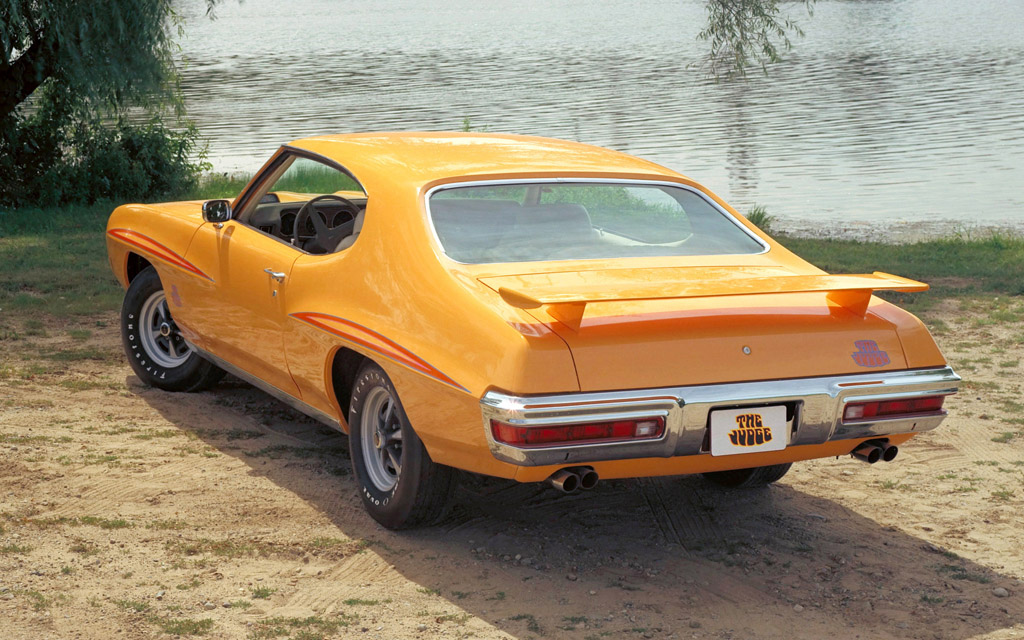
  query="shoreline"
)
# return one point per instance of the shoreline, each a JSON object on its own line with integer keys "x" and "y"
{"x": 891, "y": 232}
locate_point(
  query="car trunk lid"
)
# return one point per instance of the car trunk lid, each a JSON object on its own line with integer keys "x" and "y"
{"x": 640, "y": 328}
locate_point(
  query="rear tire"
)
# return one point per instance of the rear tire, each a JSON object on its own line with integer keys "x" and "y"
{"x": 749, "y": 478}
{"x": 400, "y": 485}
{"x": 155, "y": 349}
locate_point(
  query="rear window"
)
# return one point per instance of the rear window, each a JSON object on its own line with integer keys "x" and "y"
{"x": 582, "y": 221}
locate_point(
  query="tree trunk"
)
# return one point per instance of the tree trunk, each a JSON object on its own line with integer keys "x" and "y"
{"x": 19, "y": 79}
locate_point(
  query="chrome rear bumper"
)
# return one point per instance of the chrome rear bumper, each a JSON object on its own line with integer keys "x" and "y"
{"x": 818, "y": 405}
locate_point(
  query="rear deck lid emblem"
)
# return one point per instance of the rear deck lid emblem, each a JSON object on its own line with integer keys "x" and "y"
{"x": 869, "y": 355}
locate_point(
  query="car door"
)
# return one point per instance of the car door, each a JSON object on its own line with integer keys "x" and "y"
{"x": 238, "y": 315}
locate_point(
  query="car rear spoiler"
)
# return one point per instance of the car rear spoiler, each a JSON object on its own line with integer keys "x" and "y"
{"x": 568, "y": 304}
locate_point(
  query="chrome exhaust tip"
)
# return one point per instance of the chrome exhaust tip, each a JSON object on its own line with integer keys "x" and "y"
{"x": 889, "y": 451}
{"x": 868, "y": 453}
{"x": 588, "y": 477}
{"x": 565, "y": 481}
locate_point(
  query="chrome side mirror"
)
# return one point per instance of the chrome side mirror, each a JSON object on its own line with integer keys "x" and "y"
{"x": 217, "y": 211}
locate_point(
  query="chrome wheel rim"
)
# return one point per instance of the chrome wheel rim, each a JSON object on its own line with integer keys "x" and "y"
{"x": 380, "y": 432}
{"x": 160, "y": 336}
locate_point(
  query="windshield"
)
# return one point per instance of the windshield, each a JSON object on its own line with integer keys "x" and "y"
{"x": 581, "y": 221}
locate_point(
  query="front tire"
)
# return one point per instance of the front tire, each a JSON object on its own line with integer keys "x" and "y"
{"x": 156, "y": 351}
{"x": 400, "y": 485}
{"x": 749, "y": 478}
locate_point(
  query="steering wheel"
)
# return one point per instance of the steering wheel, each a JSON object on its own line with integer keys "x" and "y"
{"x": 324, "y": 239}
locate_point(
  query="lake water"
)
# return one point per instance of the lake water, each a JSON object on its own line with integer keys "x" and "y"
{"x": 903, "y": 114}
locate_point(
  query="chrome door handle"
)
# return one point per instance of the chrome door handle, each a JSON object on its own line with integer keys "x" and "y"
{"x": 276, "y": 275}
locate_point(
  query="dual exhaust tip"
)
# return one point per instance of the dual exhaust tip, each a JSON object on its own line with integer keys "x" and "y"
{"x": 572, "y": 479}
{"x": 874, "y": 450}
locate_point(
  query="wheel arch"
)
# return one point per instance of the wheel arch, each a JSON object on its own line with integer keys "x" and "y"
{"x": 134, "y": 264}
{"x": 345, "y": 364}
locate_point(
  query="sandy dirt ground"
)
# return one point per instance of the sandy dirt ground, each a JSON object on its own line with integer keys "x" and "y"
{"x": 127, "y": 512}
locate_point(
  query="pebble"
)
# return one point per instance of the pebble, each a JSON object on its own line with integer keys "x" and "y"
{"x": 798, "y": 608}
{"x": 421, "y": 627}
{"x": 1000, "y": 592}
{"x": 159, "y": 595}
{"x": 592, "y": 592}
{"x": 226, "y": 604}
{"x": 571, "y": 576}
{"x": 7, "y": 596}
{"x": 694, "y": 624}
{"x": 209, "y": 606}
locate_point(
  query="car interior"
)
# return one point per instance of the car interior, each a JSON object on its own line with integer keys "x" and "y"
{"x": 334, "y": 227}
{"x": 301, "y": 203}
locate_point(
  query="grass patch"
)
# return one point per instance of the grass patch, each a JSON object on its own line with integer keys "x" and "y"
{"x": 954, "y": 266}
{"x": 132, "y": 605}
{"x": 1005, "y": 436}
{"x": 531, "y": 621}
{"x": 83, "y": 549}
{"x": 262, "y": 593}
{"x": 243, "y": 434}
{"x": 222, "y": 548}
{"x": 14, "y": 438}
{"x": 167, "y": 525}
{"x": 78, "y": 355}
{"x": 104, "y": 523}
{"x": 760, "y": 218}
{"x": 54, "y": 261}
{"x": 183, "y": 626}
{"x": 277, "y": 451}
{"x": 14, "y": 548}
{"x": 960, "y": 573}
{"x": 86, "y": 385}
{"x": 303, "y": 628}
{"x": 161, "y": 433}
{"x": 39, "y": 601}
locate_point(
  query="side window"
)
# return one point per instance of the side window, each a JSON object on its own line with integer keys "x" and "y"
{"x": 311, "y": 178}
{"x": 310, "y": 205}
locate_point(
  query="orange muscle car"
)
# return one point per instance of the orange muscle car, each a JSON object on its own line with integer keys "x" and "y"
{"x": 524, "y": 308}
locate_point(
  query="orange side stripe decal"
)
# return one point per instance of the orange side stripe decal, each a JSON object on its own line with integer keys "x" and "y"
{"x": 157, "y": 250}
{"x": 358, "y": 334}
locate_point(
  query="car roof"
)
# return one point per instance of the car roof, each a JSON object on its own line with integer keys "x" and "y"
{"x": 426, "y": 157}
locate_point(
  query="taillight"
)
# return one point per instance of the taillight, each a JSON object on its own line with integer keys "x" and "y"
{"x": 618, "y": 430}
{"x": 892, "y": 408}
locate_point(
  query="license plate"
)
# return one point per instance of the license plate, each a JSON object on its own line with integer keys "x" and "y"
{"x": 750, "y": 430}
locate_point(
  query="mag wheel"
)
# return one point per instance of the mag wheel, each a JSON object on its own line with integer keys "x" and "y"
{"x": 154, "y": 346}
{"x": 748, "y": 478}
{"x": 400, "y": 485}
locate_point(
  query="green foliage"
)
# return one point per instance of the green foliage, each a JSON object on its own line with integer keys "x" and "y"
{"x": 113, "y": 53}
{"x": 70, "y": 72}
{"x": 745, "y": 31}
{"x": 310, "y": 177}
{"x": 760, "y": 218}
{"x": 61, "y": 153}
